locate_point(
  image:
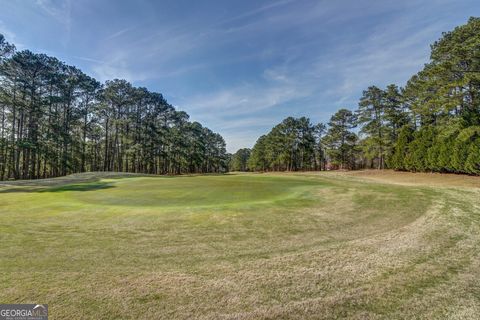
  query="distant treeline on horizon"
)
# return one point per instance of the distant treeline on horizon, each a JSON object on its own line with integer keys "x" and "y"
{"x": 432, "y": 124}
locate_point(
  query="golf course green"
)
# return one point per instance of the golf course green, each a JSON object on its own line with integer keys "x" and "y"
{"x": 240, "y": 246}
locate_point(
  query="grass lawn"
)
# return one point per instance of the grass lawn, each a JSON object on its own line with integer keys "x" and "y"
{"x": 243, "y": 246}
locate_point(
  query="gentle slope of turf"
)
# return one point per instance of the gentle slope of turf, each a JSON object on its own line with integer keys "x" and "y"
{"x": 240, "y": 246}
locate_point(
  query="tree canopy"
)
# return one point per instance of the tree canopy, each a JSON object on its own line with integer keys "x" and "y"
{"x": 56, "y": 120}
{"x": 432, "y": 124}
{"x": 294, "y": 144}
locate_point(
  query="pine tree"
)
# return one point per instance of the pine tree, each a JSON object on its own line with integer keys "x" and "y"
{"x": 340, "y": 140}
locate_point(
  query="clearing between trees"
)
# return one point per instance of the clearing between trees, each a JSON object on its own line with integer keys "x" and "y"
{"x": 379, "y": 245}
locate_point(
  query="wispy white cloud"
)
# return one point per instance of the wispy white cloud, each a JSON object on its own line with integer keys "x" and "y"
{"x": 120, "y": 70}
{"x": 254, "y": 12}
{"x": 119, "y": 33}
{"x": 10, "y": 36}
{"x": 246, "y": 99}
{"x": 391, "y": 54}
{"x": 163, "y": 45}
{"x": 61, "y": 11}
{"x": 88, "y": 59}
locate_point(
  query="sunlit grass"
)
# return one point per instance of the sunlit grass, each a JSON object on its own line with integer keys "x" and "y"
{"x": 244, "y": 246}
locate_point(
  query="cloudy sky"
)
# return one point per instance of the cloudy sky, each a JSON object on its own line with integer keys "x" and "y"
{"x": 240, "y": 67}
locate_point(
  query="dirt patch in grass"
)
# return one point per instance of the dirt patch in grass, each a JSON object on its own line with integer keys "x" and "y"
{"x": 414, "y": 178}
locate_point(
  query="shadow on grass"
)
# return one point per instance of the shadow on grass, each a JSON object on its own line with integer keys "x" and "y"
{"x": 70, "y": 187}
{"x": 80, "y": 187}
{"x": 89, "y": 181}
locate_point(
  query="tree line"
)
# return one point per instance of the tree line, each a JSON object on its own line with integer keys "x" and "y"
{"x": 431, "y": 124}
{"x": 56, "y": 120}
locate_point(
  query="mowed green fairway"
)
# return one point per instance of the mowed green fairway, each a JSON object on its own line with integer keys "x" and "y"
{"x": 240, "y": 246}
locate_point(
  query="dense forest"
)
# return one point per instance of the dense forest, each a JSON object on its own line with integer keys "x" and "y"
{"x": 56, "y": 120}
{"x": 431, "y": 124}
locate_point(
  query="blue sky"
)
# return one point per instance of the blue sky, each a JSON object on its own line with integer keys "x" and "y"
{"x": 240, "y": 67}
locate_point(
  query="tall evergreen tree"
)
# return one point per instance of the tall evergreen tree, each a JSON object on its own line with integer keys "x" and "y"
{"x": 240, "y": 160}
{"x": 340, "y": 140}
{"x": 372, "y": 117}
{"x": 56, "y": 120}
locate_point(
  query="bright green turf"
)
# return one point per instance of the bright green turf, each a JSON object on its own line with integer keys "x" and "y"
{"x": 108, "y": 246}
